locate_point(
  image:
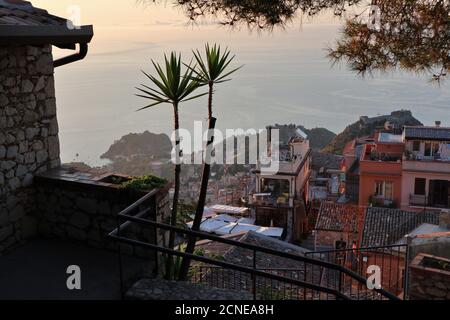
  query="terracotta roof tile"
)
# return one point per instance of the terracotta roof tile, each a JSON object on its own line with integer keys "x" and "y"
{"x": 338, "y": 217}
{"x": 385, "y": 227}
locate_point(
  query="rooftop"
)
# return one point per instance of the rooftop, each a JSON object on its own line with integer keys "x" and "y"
{"x": 288, "y": 133}
{"x": 23, "y": 24}
{"x": 338, "y": 217}
{"x": 384, "y": 227}
{"x": 427, "y": 133}
{"x": 22, "y": 13}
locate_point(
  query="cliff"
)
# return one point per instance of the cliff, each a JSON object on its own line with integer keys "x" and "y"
{"x": 154, "y": 146}
{"x": 367, "y": 126}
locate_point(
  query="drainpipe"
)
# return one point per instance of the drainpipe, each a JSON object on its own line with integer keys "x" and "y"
{"x": 74, "y": 57}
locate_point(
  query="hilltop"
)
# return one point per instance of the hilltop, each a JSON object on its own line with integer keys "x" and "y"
{"x": 319, "y": 138}
{"x": 367, "y": 126}
{"x": 151, "y": 145}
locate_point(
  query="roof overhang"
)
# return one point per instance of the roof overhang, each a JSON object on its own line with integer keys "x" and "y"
{"x": 59, "y": 36}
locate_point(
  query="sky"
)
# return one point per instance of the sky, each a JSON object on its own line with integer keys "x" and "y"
{"x": 286, "y": 78}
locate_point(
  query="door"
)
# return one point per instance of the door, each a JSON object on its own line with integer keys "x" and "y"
{"x": 439, "y": 193}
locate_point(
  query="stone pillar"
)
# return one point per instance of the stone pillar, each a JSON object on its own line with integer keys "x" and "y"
{"x": 28, "y": 133}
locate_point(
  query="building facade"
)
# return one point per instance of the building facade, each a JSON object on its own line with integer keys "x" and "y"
{"x": 281, "y": 199}
{"x": 426, "y": 168}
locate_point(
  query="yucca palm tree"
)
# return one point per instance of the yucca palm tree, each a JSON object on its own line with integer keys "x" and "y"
{"x": 209, "y": 71}
{"x": 212, "y": 70}
{"x": 171, "y": 87}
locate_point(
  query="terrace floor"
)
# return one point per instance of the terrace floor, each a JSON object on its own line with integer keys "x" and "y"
{"x": 37, "y": 271}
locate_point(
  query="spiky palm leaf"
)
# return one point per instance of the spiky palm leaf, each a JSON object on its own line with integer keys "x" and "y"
{"x": 171, "y": 85}
{"x": 212, "y": 69}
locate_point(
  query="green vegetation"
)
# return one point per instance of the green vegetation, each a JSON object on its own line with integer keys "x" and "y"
{"x": 148, "y": 182}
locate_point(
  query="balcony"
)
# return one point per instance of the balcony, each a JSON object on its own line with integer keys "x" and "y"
{"x": 426, "y": 201}
{"x": 420, "y": 157}
{"x": 267, "y": 200}
{"x": 426, "y": 164}
{"x": 381, "y": 202}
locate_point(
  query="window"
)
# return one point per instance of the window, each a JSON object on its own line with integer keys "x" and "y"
{"x": 379, "y": 189}
{"x": 384, "y": 189}
{"x": 431, "y": 149}
{"x": 427, "y": 149}
{"x": 419, "y": 186}
{"x": 388, "y": 191}
{"x": 416, "y": 146}
{"x": 436, "y": 149}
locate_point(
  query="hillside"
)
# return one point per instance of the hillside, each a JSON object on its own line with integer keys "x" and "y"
{"x": 367, "y": 126}
{"x": 154, "y": 146}
{"x": 319, "y": 138}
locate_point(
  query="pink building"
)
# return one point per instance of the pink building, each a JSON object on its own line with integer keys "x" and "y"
{"x": 281, "y": 198}
{"x": 426, "y": 168}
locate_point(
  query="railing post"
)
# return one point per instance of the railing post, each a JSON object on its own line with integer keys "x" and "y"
{"x": 253, "y": 275}
{"x": 119, "y": 251}
{"x": 340, "y": 282}
{"x": 407, "y": 255}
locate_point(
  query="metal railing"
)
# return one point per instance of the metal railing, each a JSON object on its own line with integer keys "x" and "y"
{"x": 319, "y": 279}
{"x": 425, "y": 202}
{"x": 391, "y": 260}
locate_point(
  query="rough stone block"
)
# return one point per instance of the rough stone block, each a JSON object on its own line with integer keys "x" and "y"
{"x": 27, "y": 86}
{"x": 21, "y": 171}
{"x": 41, "y": 156}
{"x": 40, "y": 84}
{"x": 7, "y": 165}
{"x": 50, "y": 107}
{"x": 14, "y": 184}
{"x": 86, "y": 205}
{"x": 31, "y": 133}
{"x": 12, "y": 152}
{"x": 30, "y": 157}
{"x": 80, "y": 220}
{"x": 53, "y": 147}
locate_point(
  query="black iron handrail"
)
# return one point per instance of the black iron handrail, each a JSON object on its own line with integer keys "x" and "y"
{"x": 124, "y": 215}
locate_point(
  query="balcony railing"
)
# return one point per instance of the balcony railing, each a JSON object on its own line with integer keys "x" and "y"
{"x": 267, "y": 200}
{"x": 317, "y": 287}
{"x": 391, "y": 260}
{"x": 426, "y": 201}
{"x": 421, "y": 157}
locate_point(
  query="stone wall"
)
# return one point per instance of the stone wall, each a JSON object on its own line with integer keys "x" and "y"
{"x": 28, "y": 132}
{"x": 427, "y": 282}
{"x": 157, "y": 289}
{"x": 85, "y": 210}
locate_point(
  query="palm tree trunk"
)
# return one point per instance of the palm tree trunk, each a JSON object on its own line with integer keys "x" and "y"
{"x": 190, "y": 248}
{"x": 210, "y": 101}
{"x": 173, "y": 218}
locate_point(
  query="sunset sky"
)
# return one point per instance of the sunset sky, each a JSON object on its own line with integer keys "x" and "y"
{"x": 287, "y": 77}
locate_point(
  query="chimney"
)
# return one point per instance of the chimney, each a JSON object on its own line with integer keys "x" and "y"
{"x": 438, "y": 124}
{"x": 444, "y": 219}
